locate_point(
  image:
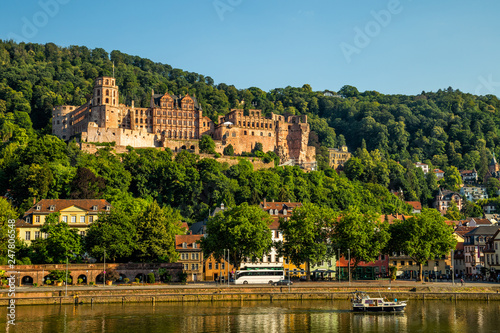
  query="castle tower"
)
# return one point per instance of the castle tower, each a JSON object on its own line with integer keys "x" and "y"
{"x": 105, "y": 112}
{"x": 105, "y": 91}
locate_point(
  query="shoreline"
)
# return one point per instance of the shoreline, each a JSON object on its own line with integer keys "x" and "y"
{"x": 211, "y": 293}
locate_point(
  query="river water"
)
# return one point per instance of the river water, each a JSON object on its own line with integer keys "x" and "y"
{"x": 260, "y": 317}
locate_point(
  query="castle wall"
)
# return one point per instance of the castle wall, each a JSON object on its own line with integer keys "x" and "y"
{"x": 122, "y": 137}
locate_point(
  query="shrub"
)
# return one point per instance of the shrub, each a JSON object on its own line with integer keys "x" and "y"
{"x": 48, "y": 281}
{"x": 182, "y": 277}
{"x": 91, "y": 283}
{"x": 167, "y": 277}
{"x": 229, "y": 150}
{"x": 35, "y": 284}
{"x": 112, "y": 275}
{"x": 80, "y": 280}
{"x": 137, "y": 280}
{"x": 151, "y": 278}
{"x": 56, "y": 275}
{"x": 126, "y": 280}
{"x": 216, "y": 155}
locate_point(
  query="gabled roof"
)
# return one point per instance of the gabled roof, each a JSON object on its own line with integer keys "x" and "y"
{"x": 188, "y": 239}
{"x": 60, "y": 204}
{"x": 482, "y": 221}
{"x": 462, "y": 230}
{"x": 483, "y": 230}
{"x": 415, "y": 204}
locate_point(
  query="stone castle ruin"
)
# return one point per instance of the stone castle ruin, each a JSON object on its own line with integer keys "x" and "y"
{"x": 177, "y": 122}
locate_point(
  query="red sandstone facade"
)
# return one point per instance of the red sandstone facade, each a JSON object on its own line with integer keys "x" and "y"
{"x": 177, "y": 122}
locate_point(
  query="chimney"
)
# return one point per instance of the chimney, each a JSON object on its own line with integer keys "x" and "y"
{"x": 264, "y": 202}
{"x": 222, "y": 206}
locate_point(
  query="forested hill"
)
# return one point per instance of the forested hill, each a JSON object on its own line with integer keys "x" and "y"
{"x": 447, "y": 127}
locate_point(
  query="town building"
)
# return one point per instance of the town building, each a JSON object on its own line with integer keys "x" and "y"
{"x": 177, "y": 122}
{"x": 475, "y": 242}
{"x": 474, "y": 193}
{"x": 408, "y": 268}
{"x": 423, "y": 166}
{"x": 416, "y": 206}
{"x": 492, "y": 253}
{"x": 77, "y": 213}
{"x": 444, "y": 198}
{"x": 190, "y": 256}
{"x": 338, "y": 156}
{"x": 469, "y": 176}
{"x": 493, "y": 170}
{"x": 439, "y": 174}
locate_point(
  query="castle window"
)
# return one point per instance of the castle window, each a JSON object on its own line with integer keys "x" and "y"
{"x": 185, "y": 122}
{"x": 165, "y": 121}
{"x": 185, "y": 134}
{"x": 262, "y": 125}
{"x": 107, "y": 100}
{"x": 141, "y": 121}
{"x": 170, "y": 113}
{"x": 190, "y": 135}
{"x": 158, "y": 121}
{"x": 266, "y": 125}
{"x": 98, "y": 101}
{"x": 261, "y": 134}
{"x": 244, "y": 132}
{"x": 158, "y": 113}
{"x": 253, "y": 124}
{"x": 142, "y": 113}
{"x": 107, "y": 81}
{"x": 244, "y": 123}
{"x": 169, "y": 134}
{"x": 107, "y": 92}
{"x": 114, "y": 101}
{"x": 98, "y": 92}
{"x": 112, "y": 82}
{"x": 114, "y": 93}
{"x": 269, "y": 134}
{"x": 175, "y": 122}
{"x": 175, "y": 114}
{"x": 253, "y": 133}
{"x": 136, "y": 112}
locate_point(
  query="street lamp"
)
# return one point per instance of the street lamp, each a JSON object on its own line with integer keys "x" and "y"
{"x": 349, "y": 263}
{"x": 66, "y": 293}
{"x": 104, "y": 271}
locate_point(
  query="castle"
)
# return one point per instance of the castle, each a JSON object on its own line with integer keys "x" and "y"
{"x": 177, "y": 122}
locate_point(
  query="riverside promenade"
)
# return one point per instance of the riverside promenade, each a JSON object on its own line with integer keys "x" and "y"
{"x": 211, "y": 292}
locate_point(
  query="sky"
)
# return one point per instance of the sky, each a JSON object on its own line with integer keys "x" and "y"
{"x": 390, "y": 46}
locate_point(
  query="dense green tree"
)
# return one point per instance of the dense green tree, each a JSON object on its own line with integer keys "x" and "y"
{"x": 308, "y": 233}
{"x": 243, "y": 230}
{"x": 113, "y": 233}
{"x": 452, "y": 179}
{"x": 207, "y": 145}
{"x": 422, "y": 237}
{"x": 155, "y": 234}
{"x": 229, "y": 150}
{"x": 63, "y": 242}
{"x": 361, "y": 235}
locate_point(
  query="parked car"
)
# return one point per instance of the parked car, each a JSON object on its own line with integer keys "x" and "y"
{"x": 283, "y": 283}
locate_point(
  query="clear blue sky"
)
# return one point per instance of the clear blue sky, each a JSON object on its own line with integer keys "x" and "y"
{"x": 412, "y": 46}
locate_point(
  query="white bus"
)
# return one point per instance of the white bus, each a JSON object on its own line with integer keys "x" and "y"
{"x": 251, "y": 276}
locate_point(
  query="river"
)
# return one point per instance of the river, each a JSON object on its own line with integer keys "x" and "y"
{"x": 260, "y": 317}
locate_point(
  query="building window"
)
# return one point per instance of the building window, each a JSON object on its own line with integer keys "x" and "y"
{"x": 73, "y": 219}
{"x": 37, "y": 234}
{"x": 194, "y": 245}
{"x": 51, "y": 208}
{"x": 223, "y": 266}
{"x": 209, "y": 265}
{"x": 91, "y": 219}
{"x": 27, "y": 235}
{"x": 186, "y": 267}
{"x": 82, "y": 233}
{"x": 184, "y": 245}
{"x": 82, "y": 219}
{"x": 65, "y": 219}
{"x": 37, "y": 219}
{"x": 94, "y": 208}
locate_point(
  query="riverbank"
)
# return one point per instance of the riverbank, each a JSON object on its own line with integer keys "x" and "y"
{"x": 214, "y": 293}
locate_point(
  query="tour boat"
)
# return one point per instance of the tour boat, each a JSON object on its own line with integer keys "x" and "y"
{"x": 364, "y": 303}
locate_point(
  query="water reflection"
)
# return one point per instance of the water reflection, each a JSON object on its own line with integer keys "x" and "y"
{"x": 282, "y": 317}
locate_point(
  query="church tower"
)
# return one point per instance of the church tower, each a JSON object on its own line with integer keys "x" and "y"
{"x": 493, "y": 167}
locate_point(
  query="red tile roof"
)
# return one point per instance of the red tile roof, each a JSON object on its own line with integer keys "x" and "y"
{"x": 60, "y": 204}
{"x": 188, "y": 239}
{"x": 415, "y": 204}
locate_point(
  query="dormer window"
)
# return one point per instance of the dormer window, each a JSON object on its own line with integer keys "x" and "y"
{"x": 94, "y": 208}
{"x": 184, "y": 245}
{"x": 194, "y": 245}
{"x": 108, "y": 208}
{"x": 38, "y": 207}
{"x": 284, "y": 211}
{"x": 52, "y": 207}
